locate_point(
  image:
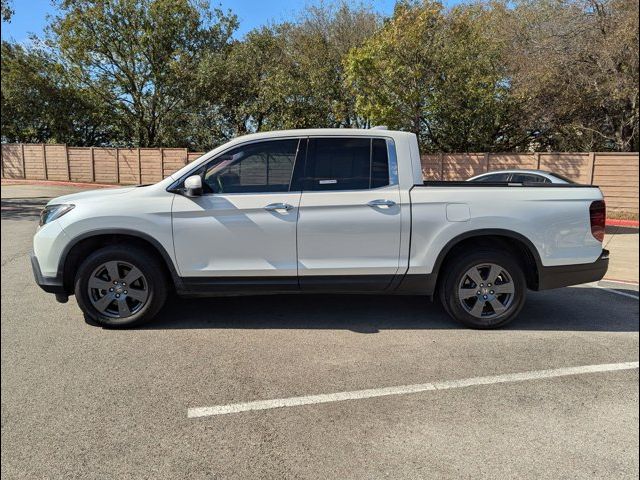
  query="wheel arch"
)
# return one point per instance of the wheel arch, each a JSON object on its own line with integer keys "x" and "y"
{"x": 82, "y": 245}
{"x": 519, "y": 245}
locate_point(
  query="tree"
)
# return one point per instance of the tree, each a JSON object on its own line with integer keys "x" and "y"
{"x": 436, "y": 74}
{"x": 289, "y": 75}
{"x": 140, "y": 57}
{"x": 487, "y": 76}
{"x": 574, "y": 67}
{"x": 39, "y": 105}
{"x": 322, "y": 38}
{"x": 6, "y": 10}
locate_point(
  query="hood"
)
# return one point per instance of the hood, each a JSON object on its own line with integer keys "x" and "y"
{"x": 91, "y": 195}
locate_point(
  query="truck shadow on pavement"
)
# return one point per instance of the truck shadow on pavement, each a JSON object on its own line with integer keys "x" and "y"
{"x": 572, "y": 309}
{"x": 615, "y": 230}
{"x": 22, "y": 208}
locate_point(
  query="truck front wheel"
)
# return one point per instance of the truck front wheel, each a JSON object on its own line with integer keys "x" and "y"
{"x": 483, "y": 289}
{"x": 120, "y": 286}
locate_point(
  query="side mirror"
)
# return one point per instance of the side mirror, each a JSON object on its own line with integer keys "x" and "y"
{"x": 193, "y": 186}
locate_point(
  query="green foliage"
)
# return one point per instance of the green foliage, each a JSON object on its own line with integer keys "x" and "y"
{"x": 436, "y": 74}
{"x": 6, "y": 11}
{"x": 505, "y": 75}
{"x": 290, "y": 75}
{"x": 140, "y": 57}
{"x": 40, "y": 105}
{"x": 574, "y": 69}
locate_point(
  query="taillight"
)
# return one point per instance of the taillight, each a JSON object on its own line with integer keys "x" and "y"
{"x": 598, "y": 216}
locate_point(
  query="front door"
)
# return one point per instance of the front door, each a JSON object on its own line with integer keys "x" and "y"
{"x": 244, "y": 224}
{"x": 349, "y": 222}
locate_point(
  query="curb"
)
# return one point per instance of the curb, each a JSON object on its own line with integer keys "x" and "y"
{"x": 622, "y": 282}
{"x": 64, "y": 183}
{"x": 612, "y": 222}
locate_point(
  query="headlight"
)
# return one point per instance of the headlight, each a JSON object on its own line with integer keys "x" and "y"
{"x": 51, "y": 212}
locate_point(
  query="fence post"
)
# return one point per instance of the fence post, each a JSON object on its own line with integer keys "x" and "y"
{"x": 117, "y": 165}
{"x": 24, "y": 164}
{"x": 66, "y": 156}
{"x": 537, "y": 159}
{"x": 161, "y": 163}
{"x": 441, "y": 156}
{"x": 592, "y": 166}
{"x": 186, "y": 156}
{"x": 2, "y": 160}
{"x": 139, "y": 167}
{"x": 93, "y": 167}
{"x": 44, "y": 160}
{"x": 486, "y": 161}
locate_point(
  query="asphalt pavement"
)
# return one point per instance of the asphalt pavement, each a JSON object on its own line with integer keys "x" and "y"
{"x": 79, "y": 401}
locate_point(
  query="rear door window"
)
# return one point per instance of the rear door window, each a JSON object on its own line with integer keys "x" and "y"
{"x": 345, "y": 163}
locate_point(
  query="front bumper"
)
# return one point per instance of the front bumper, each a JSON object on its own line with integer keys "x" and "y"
{"x": 565, "y": 275}
{"x": 48, "y": 284}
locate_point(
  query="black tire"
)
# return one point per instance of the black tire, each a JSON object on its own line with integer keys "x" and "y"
{"x": 485, "y": 299}
{"x": 150, "y": 284}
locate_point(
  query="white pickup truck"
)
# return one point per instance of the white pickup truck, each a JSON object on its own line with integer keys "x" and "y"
{"x": 340, "y": 211}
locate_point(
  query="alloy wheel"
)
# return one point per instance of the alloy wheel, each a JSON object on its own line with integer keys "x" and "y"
{"x": 118, "y": 289}
{"x": 486, "y": 291}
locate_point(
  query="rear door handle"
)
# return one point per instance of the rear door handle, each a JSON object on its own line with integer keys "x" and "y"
{"x": 278, "y": 206}
{"x": 381, "y": 203}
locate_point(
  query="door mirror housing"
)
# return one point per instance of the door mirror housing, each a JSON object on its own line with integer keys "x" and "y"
{"x": 193, "y": 186}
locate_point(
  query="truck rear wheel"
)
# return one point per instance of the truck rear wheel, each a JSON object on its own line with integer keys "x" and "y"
{"x": 483, "y": 289}
{"x": 120, "y": 286}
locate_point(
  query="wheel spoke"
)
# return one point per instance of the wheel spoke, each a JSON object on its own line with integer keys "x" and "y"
{"x": 133, "y": 275}
{"x": 139, "y": 295}
{"x": 112, "y": 269}
{"x": 474, "y": 275}
{"x": 494, "y": 271}
{"x": 465, "y": 293}
{"x": 102, "y": 303}
{"x": 476, "y": 311}
{"x": 123, "y": 307}
{"x": 504, "y": 288}
{"x": 100, "y": 284}
{"x": 498, "y": 307}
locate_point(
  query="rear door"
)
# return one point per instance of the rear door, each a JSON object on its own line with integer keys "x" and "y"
{"x": 349, "y": 221}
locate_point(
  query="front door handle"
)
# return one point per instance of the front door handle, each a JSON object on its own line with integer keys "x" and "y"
{"x": 272, "y": 207}
{"x": 381, "y": 203}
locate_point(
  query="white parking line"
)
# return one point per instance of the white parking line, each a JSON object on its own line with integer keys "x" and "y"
{"x": 617, "y": 292}
{"x": 404, "y": 389}
{"x": 624, "y": 294}
{"x": 621, "y": 282}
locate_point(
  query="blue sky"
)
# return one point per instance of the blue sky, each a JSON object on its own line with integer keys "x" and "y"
{"x": 31, "y": 15}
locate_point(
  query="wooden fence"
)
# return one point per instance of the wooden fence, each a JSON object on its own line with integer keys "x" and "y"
{"x": 92, "y": 164}
{"x": 615, "y": 173}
